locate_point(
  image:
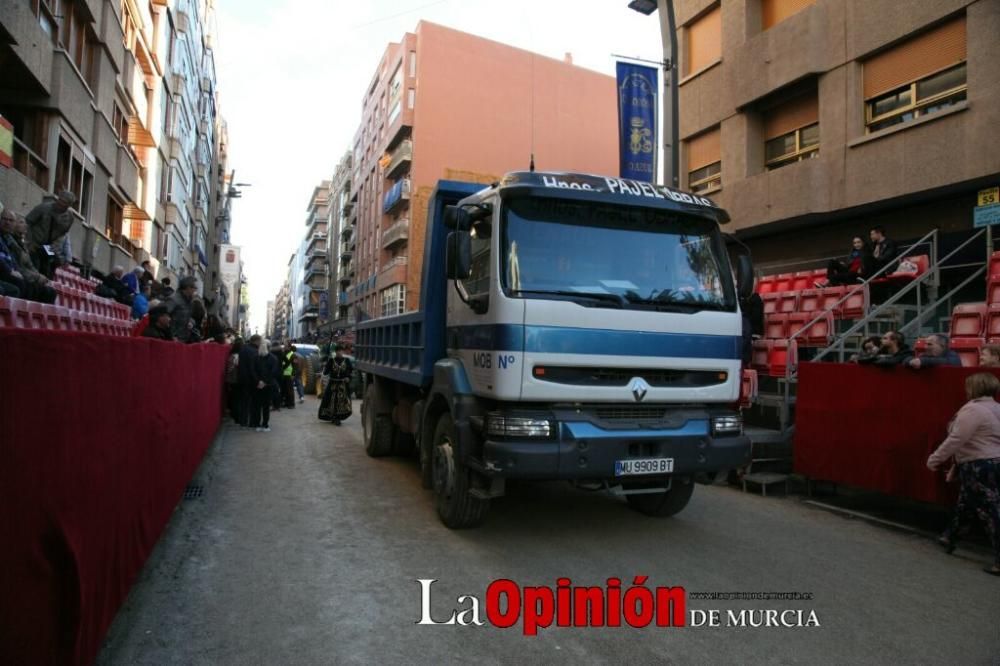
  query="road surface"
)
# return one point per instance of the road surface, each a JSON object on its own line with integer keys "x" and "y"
{"x": 302, "y": 550}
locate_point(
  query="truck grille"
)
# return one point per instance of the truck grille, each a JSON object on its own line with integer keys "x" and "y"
{"x": 581, "y": 376}
{"x": 630, "y": 413}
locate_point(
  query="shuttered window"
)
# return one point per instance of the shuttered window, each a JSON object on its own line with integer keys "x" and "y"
{"x": 704, "y": 158}
{"x": 773, "y": 12}
{"x": 920, "y": 76}
{"x": 704, "y": 41}
{"x": 791, "y": 132}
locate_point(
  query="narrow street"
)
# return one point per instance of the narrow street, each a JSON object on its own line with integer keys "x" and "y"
{"x": 302, "y": 550}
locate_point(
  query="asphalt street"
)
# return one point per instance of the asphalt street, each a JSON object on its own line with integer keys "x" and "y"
{"x": 302, "y": 550}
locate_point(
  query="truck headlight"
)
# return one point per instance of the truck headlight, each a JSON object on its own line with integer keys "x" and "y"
{"x": 731, "y": 424}
{"x": 500, "y": 425}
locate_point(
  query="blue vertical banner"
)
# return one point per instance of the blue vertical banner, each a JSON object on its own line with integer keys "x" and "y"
{"x": 637, "y": 106}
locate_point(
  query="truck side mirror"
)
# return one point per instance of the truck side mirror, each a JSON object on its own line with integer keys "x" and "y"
{"x": 458, "y": 257}
{"x": 744, "y": 276}
{"x": 453, "y": 217}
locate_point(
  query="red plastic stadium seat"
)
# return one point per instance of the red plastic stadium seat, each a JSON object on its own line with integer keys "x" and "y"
{"x": 765, "y": 285}
{"x": 910, "y": 268}
{"x": 993, "y": 320}
{"x": 748, "y": 388}
{"x": 788, "y": 302}
{"x": 761, "y": 355}
{"x": 968, "y": 320}
{"x": 7, "y": 312}
{"x": 782, "y": 355}
{"x": 776, "y": 326}
{"x": 783, "y": 282}
{"x": 36, "y": 315}
{"x": 770, "y": 302}
{"x": 802, "y": 280}
{"x": 817, "y": 334}
{"x": 64, "y": 319}
{"x": 920, "y": 347}
{"x": 993, "y": 290}
{"x": 819, "y": 274}
{"x": 968, "y": 350}
{"x": 810, "y": 301}
{"x": 994, "y": 267}
{"x": 829, "y": 297}
{"x": 856, "y": 304}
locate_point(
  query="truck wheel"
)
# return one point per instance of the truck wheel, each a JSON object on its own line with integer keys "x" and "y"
{"x": 666, "y": 503}
{"x": 455, "y": 506}
{"x": 310, "y": 372}
{"x": 377, "y": 428}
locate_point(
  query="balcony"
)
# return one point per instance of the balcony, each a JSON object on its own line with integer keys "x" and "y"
{"x": 393, "y": 272}
{"x": 346, "y": 253}
{"x": 182, "y": 20}
{"x": 347, "y": 231}
{"x": 399, "y": 232}
{"x": 346, "y": 211}
{"x": 401, "y": 159}
{"x": 342, "y": 298}
{"x": 397, "y": 195}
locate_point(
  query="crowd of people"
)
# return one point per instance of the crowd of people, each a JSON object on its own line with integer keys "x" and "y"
{"x": 891, "y": 349}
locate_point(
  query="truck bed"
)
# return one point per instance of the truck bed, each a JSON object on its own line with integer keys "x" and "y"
{"x": 393, "y": 347}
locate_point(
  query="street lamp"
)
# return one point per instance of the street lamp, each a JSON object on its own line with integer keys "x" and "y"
{"x": 668, "y": 31}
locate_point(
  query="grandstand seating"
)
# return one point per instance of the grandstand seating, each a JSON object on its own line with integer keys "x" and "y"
{"x": 77, "y": 308}
{"x": 968, "y": 350}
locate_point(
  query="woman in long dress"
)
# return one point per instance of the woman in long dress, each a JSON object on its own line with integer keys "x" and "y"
{"x": 336, "y": 403}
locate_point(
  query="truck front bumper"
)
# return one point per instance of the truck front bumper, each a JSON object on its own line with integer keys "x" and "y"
{"x": 582, "y": 450}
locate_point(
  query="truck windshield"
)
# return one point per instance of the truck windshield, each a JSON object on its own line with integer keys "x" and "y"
{"x": 614, "y": 256}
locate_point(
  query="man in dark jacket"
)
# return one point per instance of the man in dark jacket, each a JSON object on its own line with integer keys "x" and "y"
{"x": 247, "y": 379}
{"x": 892, "y": 352}
{"x": 181, "y": 305}
{"x": 49, "y": 224}
{"x": 884, "y": 250}
{"x": 16, "y": 267}
{"x": 937, "y": 354}
{"x": 159, "y": 324}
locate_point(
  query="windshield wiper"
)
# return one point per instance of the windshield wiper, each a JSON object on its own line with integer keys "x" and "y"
{"x": 611, "y": 299}
{"x": 677, "y": 304}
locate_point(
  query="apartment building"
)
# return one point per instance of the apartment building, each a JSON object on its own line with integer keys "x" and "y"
{"x": 269, "y": 321}
{"x": 310, "y": 271}
{"x": 446, "y": 104}
{"x": 115, "y": 100}
{"x": 813, "y": 120}
{"x": 281, "y": 324}
{"x": 340, "y": 246}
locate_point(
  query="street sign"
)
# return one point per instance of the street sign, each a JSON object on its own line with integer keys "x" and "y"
{"x": 991, "y": 195}
{"x": 984, "y": 216}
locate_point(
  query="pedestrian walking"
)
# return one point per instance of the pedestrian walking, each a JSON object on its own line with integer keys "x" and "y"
{"x": 974, "y": 443}
{"x": 336, "y": 403}
{"x": 49, "y": 224}
{"x": 266, "y": 369}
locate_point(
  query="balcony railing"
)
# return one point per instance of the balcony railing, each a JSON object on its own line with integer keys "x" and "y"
{"x": 401, "y": 159}
{"x": 397, "y": 233}
{"x": 399, "y": 193}
{"x": 346, "y": 252}
{"x": 346, "y": 232}
{"x": 393, "y": 263}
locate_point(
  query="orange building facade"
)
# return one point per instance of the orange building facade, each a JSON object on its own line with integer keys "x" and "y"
{"x": 447, "y": 104}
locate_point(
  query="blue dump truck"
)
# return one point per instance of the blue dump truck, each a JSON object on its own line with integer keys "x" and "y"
{"x": 572, "y": 327}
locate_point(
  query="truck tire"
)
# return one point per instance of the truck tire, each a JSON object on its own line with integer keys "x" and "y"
{"x": 309, "y": 374}
{"x": 666, "y": 503}
{"x": 377, "y": 428}
{"x": 456, "y": 508}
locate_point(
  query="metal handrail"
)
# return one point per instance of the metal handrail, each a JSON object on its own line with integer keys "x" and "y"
{"x": 919, "y": 319}
{"x": 892, "y": 300}
{"x": 783, "y": 267}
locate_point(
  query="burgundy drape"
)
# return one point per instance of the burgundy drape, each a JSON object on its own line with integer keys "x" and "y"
{"x": 875, "y": 427}
{"x": 100, "y": 435}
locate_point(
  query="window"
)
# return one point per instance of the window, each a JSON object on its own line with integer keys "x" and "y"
{"x": 704, "y": 156}
{"x": 31, "y": 134}
{"x": 46, "y": 13}
{"x": 791, "y": 131}
{"x": 704, "y": 41}
{"x": 74, "y": 172}
{"x": 773, "y": 12}
{"x": 394, "y": 300}
{"x": 413, "y": 64}
{"x": 478, "y": 282}
{"x": 410, "y": 97}
{"x": 113, "y": 227}
{"x": 119, "y": 122}
{"x": 920, "y": 76}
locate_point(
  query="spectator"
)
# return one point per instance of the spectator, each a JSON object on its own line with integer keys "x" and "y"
{"x": 937, "y": 354}
{"x": 851, "y": 269}
{"x": 974, "y": 443}
{"x": 159, "y": 324}
{"x": 163, "y": 290}
{"x": 112, "y": 286}
{"x": 869, "y": 347}
{"x": 16, "y": 267}
{"x": 180, "y": 306}
{"x": 989, "y": 357}
{"x": 233, "y": 380}
{"x": 132, "y": 280}
{"x": 884, "y": 250}
{"x": 267, "y": 369}
{"x": 147, "y": 274}
{"x": 48, "y": 233}
{"x": 247, "y": 379}
{"x": 140, "y": 303}
{"x": 278, "y": 395}
{"x": 892, "y": 351}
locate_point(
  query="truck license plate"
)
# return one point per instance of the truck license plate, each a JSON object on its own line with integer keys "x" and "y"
{"x": 644, "y": 466}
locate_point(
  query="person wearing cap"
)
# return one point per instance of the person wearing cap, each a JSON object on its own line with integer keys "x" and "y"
{"x": 180, "y": 306}
{"x": 49, "y": 224}
{"x": 159, "y": 324}
{"x": 140, "y": 304}
{"x": 131, "y": 280}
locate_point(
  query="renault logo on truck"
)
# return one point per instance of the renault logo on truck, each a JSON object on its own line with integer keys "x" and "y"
{"x": 639, "y": 388}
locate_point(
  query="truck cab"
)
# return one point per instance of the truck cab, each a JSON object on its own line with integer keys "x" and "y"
{"x": 590, "y": 332}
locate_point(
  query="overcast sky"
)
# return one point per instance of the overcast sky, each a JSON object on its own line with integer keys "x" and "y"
{"x": 291, "y": 75}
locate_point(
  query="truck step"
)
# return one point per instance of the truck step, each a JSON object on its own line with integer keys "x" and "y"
{"x": 765, "y": 479}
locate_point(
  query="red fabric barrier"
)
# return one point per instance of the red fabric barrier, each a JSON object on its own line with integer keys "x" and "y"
{"x": 100, "y": 435}
{"x": 875, "y": 427}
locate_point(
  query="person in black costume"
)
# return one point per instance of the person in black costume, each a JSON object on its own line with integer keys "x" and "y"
{"x": 336, "y": 403}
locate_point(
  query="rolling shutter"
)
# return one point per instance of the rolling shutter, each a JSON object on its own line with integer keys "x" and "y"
{"x": 925, "y": 54}
{"x": 704, "y": 149}
{"x": 773, "y": 12}
{"x": 790, "y": 116}
{"x": 704, "y": 41}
